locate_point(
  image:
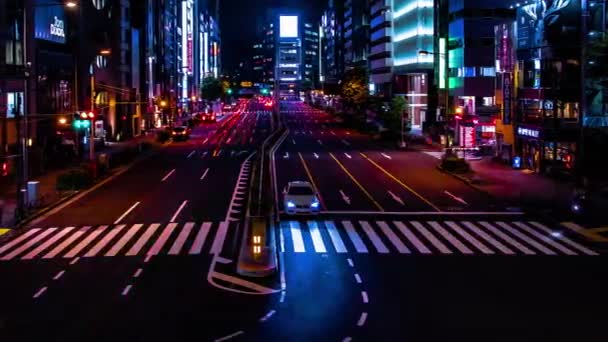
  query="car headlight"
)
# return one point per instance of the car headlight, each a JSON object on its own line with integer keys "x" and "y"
{"x": 290, "y": 204}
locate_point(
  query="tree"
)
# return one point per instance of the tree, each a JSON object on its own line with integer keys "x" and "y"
{"x": 392, "y": 117}
{"x": 354, "y": 88}
{"x": 211, "y": 89}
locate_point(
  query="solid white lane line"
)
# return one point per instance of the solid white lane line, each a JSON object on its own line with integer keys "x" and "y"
{"x": 123, "y": 240}
{"x": 432, "y": 239}
{"x": 179, "y": 210}
{"x": 412, "y": 238}
{"x": 126, "y": 213}
{"x": 354, "y": 237}
{"x": 317, "y": 241}
{"x": 138, "y": 273}
{"x": 104, "y": 241}
{"x": 18, "y": 240}
{"x": 162, "y": 239}
{"x": 336, "y": 240}
{"x": 388, "y": 232}
{"x": 364, "y": 297}
{"x": 126, "y": 290}
{"x": 525, "y": 238}
{"x": 143, "y": 239}
{"x": 181, "y": 239}
{"x": 220, "y": 236}
{"x": 478, "y": 244}
{"x": 199, "y": 241}
{"x": 168, "y": 175}
{"x": 296, "y": 237}
{"x": 53, "y": 253}
{"x": 204, "y": 174}
{"x": 544, "y": 238}
{"x": 84, "y": 243}
{"x": 488, "y": 238}
{"x": 507, "y": 238}
{"x": 191, "y": 154}
{"x": 350, "y": 262}
{"x": 358, "y": 278}
{"x": 29, "y": 244}
{"x": 40, "y": 292}
{"x": 58, "y": 275}
{"x": 348, "y": 155}
{"x": 571, "y": 243}
{"x": 226, "y": 338}
{"x": 47, "y": 243}
{"x": 386, "y": 156}
{"x": 371, "y": 234}
{"x": 362, "y": 319}
{"x": 454, "y": 241}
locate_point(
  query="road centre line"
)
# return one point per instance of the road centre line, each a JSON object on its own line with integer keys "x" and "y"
{"x": 126, "y": 213}
{"x": 400, "y": 182}
{"x": 168, "y": 175}
{"x": 356, "y": 182}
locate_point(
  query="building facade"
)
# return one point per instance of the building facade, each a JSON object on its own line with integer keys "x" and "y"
{"x": 381, "y": 49}
{"x": 356, "y": 33}
{"x": 332, "y": 57}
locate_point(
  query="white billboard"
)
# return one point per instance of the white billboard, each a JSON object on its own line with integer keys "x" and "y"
{"x": 288, "y": 26}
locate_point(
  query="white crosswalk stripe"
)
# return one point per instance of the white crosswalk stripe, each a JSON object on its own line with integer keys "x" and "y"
{"x": 119, "y": 241}
{"x": 450, "y": 237}
{"x": 427, "y": 237}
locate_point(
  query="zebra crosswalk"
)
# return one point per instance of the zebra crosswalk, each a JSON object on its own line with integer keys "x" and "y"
{"x": 118, "y": 240}
{"x": 427, "y": 237}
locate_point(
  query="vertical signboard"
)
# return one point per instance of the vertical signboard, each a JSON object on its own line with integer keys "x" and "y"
{"x": 442, "y": 62}
{"x": 507, "y": 94}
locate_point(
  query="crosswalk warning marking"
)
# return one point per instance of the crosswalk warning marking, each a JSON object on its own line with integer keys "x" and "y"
{"x": 181, "y": 239}
{"x": 544, "y": 238}
{"x": 455, "y": 242}
{"x": 336, "y": 240}
{"x": 296, "y": 237}
{"x": 78, "y": 233}
{"x": 84, "y": 243}
{"x": 488, "y": 238}
{"x": 478, "y": 244}
{"x": 124, "y": 240}
{"x": 220, "y": 236}
{"x": 197, "y": 246}
{"x": 525, "y": 238}
{"x": 507, "y": 238}
{"x": 565, "y": 239}
{"x": 354, "y": 237}
{"x": 104, "y": 241}
{"x": 47, "y": 243}
{"x": 388, "y": 232}
{"x": 412, "y": 238}
{"x": 18, "y": 240}
{"x": 162, "y": 239}
{"x": 317, "y": 240}
{"x": 29, "y": 244}
{"x": 375, "y": 239}
{"x": 432, "y": 239}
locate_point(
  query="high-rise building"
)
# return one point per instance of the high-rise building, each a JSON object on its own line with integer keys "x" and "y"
{"x": 356, "y": 33}
{"x": 332, "y": 53}
{"x": 380, "y": 54}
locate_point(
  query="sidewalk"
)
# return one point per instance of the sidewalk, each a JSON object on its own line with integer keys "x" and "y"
{"x": 48, "y": 194}
{"x": 521, "y": 188}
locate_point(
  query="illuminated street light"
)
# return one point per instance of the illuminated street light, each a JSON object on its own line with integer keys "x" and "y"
{"x": 163, "y": 103}
{"x": 63, "y": 121}
{"x": 71, "y": 4}
{"x": 105, "y": 52}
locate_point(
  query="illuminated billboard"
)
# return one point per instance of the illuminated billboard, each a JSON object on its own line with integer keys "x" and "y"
{"x": 49, "y": 23}
{"x": 544, "y": 22}
{"x": 288, "y": 26}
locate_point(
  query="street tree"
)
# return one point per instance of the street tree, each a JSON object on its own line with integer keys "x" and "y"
{"x": 354, "y": 88}
{"x": 392, "y": 118}
{"x": 211, "y": 89}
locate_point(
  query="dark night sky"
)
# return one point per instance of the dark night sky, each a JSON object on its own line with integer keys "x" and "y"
{"x": 238, "y": 23}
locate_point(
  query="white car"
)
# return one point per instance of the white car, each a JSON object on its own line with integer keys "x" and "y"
{"x": 300, "y": 197}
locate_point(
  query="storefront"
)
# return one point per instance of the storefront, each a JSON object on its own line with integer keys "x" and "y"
{"x": 546, "y": 151}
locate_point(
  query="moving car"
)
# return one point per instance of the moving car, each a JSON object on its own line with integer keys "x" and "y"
{"x": 180, "y": 133}
{"x": 207, "y": 116}
{"x": 300, "y": 197}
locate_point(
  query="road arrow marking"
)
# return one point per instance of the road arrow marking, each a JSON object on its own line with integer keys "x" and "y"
{"x": 316, "y": 155}
{"x": 396, "y": 198}
{"x": 456, "y": 198}
{"x": 286, "y": 156}
{"x": 344, "y": 197}
{"x": 386, "y": 156}
{"x": 348, "y": 155}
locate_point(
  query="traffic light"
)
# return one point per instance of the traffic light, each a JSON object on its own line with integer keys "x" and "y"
{"x": 264, "y": 91}
{"x": 229, "y": 91}
{"x": 82, "y": 120}
{"x": 4, "y": 168}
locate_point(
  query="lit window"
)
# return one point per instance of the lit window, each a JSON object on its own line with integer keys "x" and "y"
{"x": 11, "y": 104}
{"x": 487, "y": 71}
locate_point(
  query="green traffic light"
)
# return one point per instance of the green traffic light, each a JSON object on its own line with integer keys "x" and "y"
{"x": 229, "y": 91}
{"x": 81, "y": 124}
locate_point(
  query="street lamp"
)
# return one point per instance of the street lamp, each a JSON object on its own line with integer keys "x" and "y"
{"x": 71, "y": 4}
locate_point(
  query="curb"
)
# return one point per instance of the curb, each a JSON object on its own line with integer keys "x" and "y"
{"x": 247, "y": 266}
{"x": 465, "y": 180}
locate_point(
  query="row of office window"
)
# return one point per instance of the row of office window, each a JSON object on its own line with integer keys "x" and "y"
{"x": 472, "y": 72}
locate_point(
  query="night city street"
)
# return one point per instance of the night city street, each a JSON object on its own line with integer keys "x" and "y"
{"x": 185, "y": 170}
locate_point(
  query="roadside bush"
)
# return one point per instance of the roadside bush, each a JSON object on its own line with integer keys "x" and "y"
{"x": 74, "y": 180}
{"x": 163, "y": 135}
{"x": 452, "y": 163}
